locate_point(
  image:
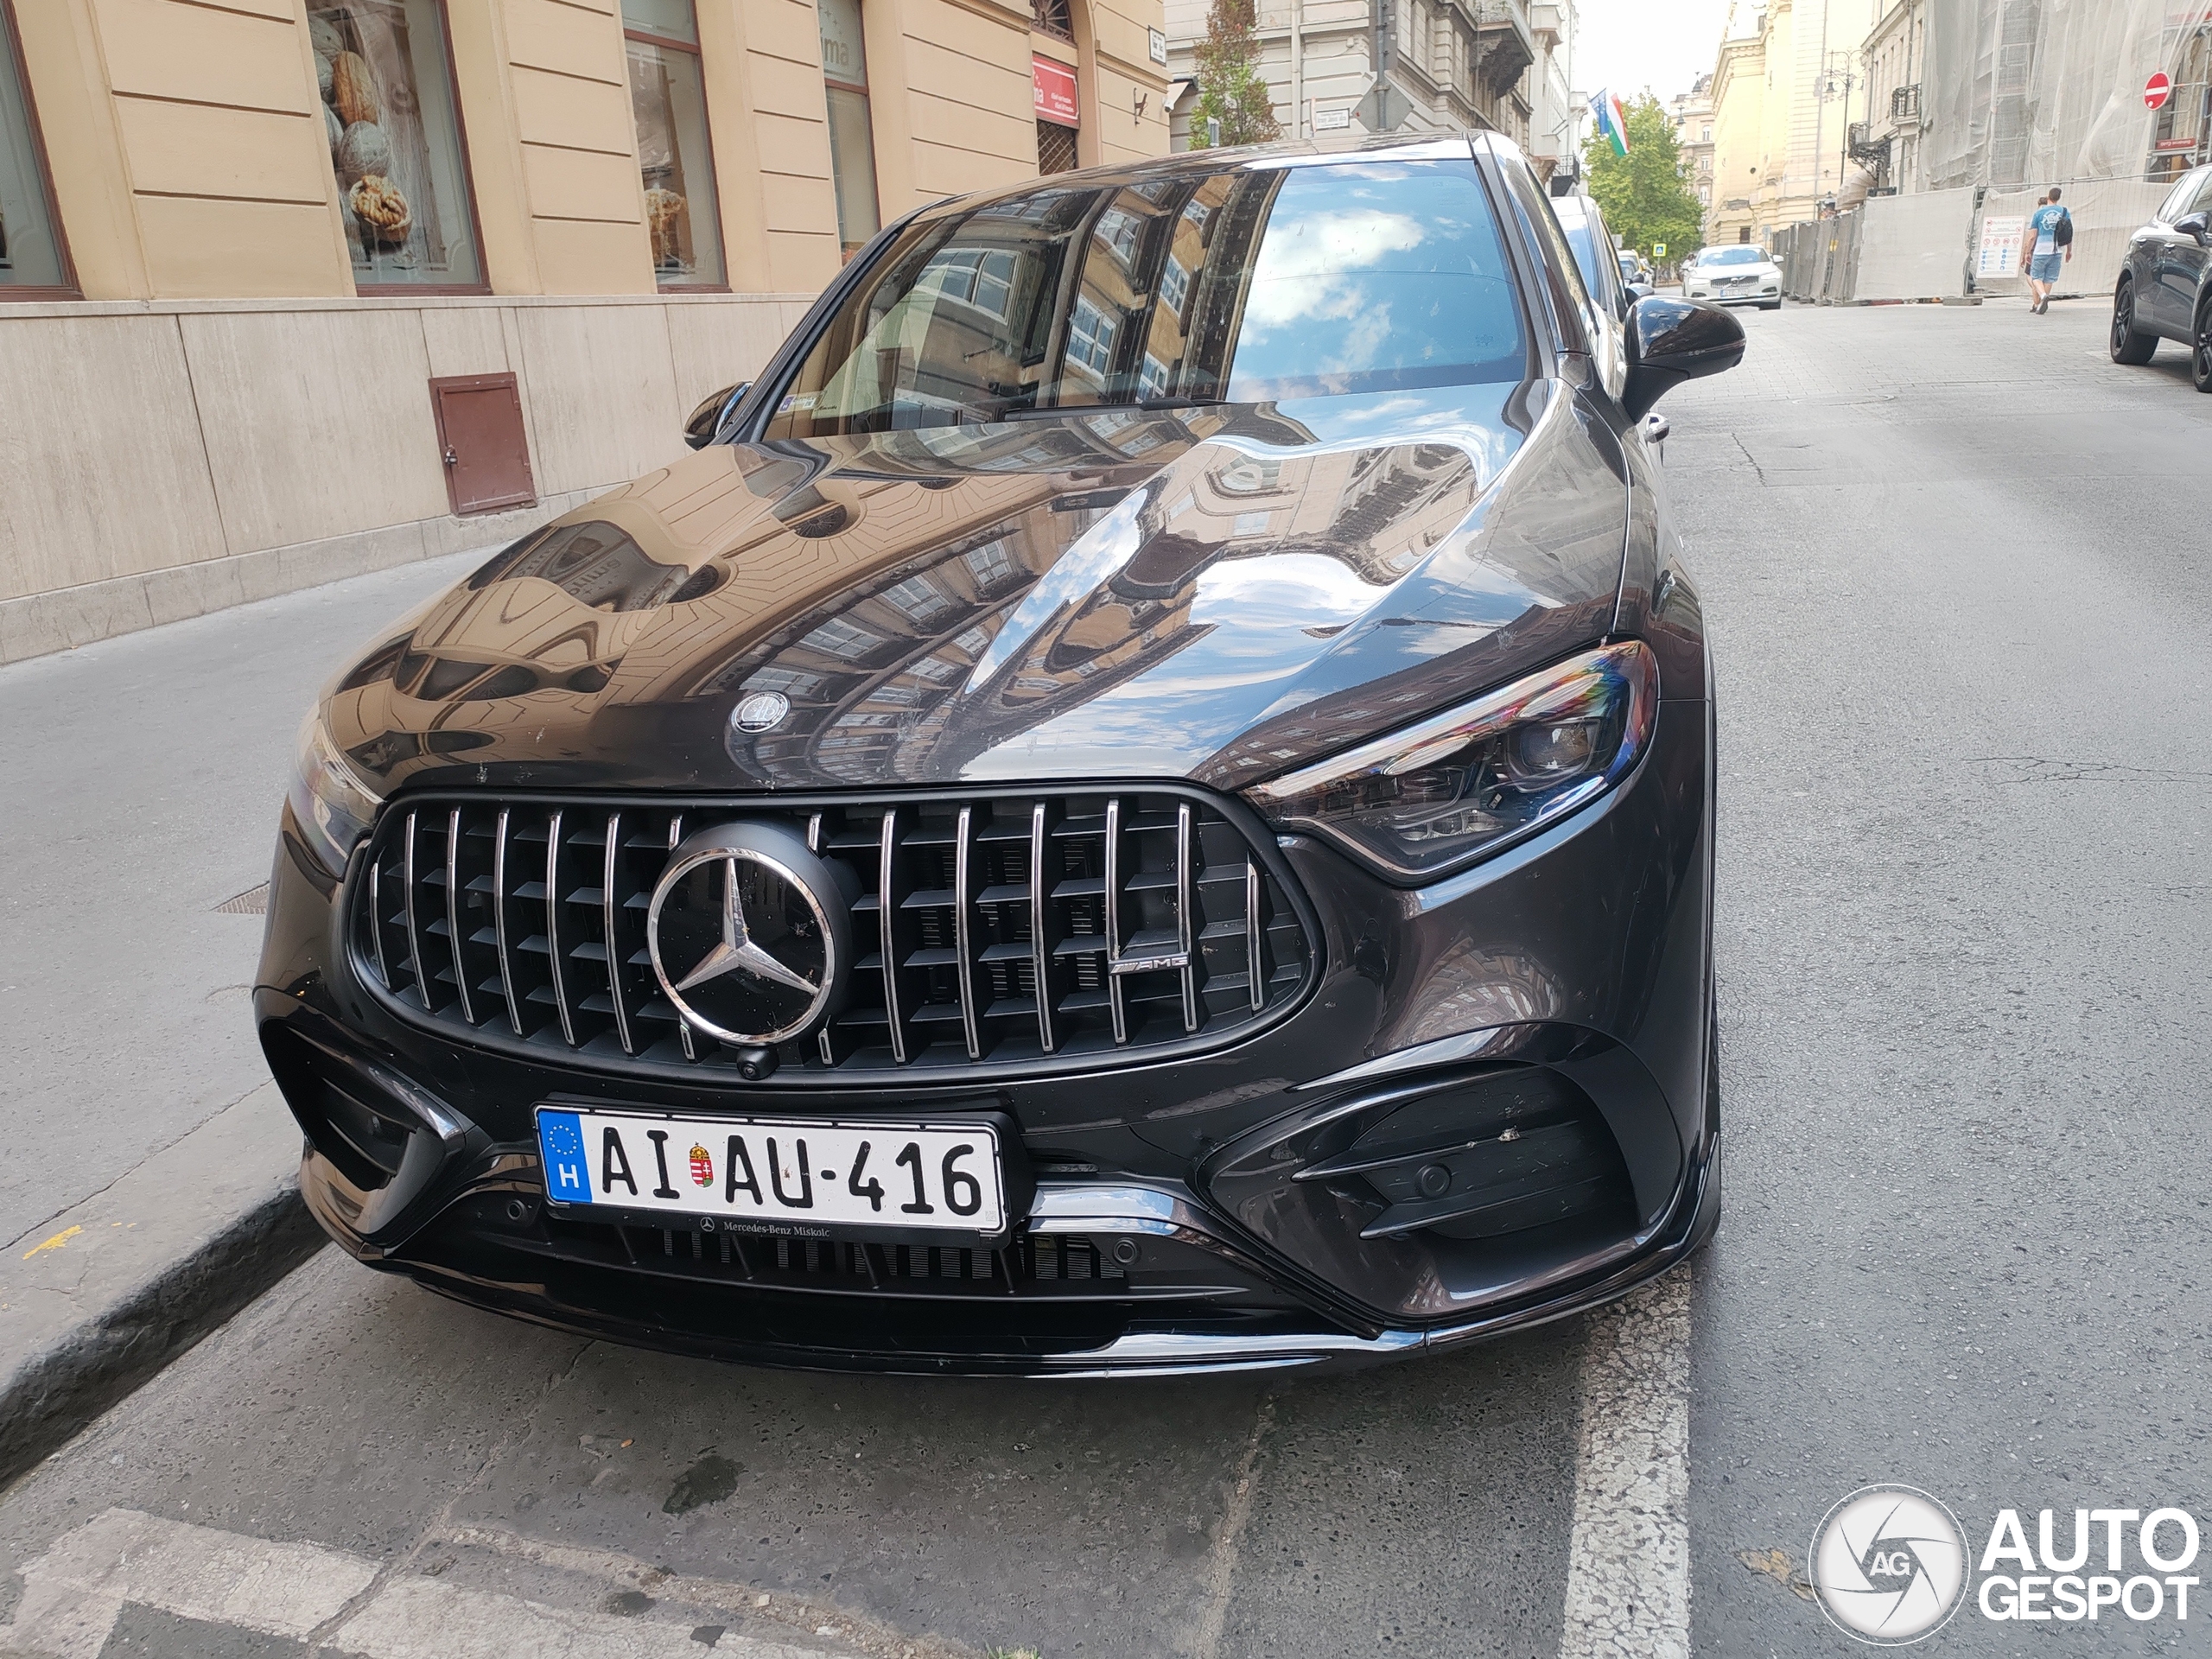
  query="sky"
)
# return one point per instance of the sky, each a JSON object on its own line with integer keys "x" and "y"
{"x": 1626, "y": 45}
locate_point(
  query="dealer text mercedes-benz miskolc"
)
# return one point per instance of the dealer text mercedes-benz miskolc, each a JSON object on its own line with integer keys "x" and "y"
{"x": 1143, "y": 802}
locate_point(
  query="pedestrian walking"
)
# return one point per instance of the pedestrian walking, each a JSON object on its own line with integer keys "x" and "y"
{"x": 2050, "y": 244}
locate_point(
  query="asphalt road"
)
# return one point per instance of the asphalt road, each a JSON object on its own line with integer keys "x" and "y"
{"x": 141, "y": 779}
{"x": 1954, "y": 562}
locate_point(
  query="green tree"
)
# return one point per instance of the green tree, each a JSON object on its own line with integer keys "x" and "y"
{"x": 1645, "y": 196}
{"x": 1231, "y": 89}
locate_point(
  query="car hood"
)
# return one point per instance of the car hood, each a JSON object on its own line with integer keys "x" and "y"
{"x": 1216, "y": 593}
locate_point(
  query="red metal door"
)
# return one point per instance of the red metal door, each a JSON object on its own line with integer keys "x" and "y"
{"x": 481, "y": 437}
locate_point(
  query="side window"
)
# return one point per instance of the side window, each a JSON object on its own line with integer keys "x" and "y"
{"x": 1611, "y": 296}
{"x": 2177, "y": 199}
{"x": 2204, "y": 202}
{"x": 1570, "y": 300}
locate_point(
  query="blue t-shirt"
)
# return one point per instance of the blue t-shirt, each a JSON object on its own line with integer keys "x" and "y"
{"x": 2044, "y": 223}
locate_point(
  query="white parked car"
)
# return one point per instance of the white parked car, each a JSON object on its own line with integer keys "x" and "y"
{"x": 1736, "y": 274}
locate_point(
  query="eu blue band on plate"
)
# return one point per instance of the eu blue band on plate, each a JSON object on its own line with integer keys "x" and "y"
{"x": 561, "y": 1144}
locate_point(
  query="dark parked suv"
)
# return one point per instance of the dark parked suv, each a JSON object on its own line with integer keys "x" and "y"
{"x": 2165, "y": 288}
{"x": 1143, "y": 802}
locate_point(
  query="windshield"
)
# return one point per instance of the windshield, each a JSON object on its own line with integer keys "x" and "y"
{"x": 1244, "y": 285}
{"x": 1740, "y": 255}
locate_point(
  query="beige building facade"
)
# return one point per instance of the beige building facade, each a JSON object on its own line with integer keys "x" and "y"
{"x": 1785, "y": 88}
{"x": 1452, "y": 65}
{"x": 1691, "y": 115}
{"x": 295, "y": 288}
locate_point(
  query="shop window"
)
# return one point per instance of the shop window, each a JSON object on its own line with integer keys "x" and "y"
{"x": 668, "y": 93}
{"x": 386, "y": 78}
{"x": 852, "y": 136}
{"x": 31, "y": 254}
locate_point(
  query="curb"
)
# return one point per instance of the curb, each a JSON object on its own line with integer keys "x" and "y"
{"x": 123, "y": 1285}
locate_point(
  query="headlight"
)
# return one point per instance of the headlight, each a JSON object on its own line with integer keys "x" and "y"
{"x": 1470, "y": 782}
{"x": 332, "y": 803}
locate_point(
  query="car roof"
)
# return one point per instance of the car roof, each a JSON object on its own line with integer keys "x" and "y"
{"x": 1395, "y": 147}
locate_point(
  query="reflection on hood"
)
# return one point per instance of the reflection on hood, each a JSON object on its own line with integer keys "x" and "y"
{"x": 1215, "y": 594}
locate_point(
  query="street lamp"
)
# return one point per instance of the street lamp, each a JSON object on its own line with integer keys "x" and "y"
{"x": 1835, "y": 87}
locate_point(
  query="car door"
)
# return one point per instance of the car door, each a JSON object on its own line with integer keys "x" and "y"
{"x": 2164, "y": 301}
{"x": 2184, "y": 262}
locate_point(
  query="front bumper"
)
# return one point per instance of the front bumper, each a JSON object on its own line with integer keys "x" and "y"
{"x": 1769, "y": 293}
{"x": 1575, "y": 967}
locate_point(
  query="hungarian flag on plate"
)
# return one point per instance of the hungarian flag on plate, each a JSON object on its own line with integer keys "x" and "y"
{"x": 1612, "y": 120}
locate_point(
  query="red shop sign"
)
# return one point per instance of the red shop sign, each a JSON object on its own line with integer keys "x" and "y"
{"x": 1054, "y": 85}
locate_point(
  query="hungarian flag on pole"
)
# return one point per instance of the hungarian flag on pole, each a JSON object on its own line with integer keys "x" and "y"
{"x": 1613, "y": 121}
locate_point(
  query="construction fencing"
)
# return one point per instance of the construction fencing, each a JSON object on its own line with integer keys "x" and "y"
{"x": 1924, "y": 246}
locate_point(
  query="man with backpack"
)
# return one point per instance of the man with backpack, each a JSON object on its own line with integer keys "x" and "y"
{"x": 2050, "y": 245}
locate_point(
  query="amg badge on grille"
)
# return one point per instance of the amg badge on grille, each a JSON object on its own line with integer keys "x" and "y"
{"x": 750, "y": 933}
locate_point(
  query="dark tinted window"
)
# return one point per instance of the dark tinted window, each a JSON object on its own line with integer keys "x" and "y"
{"x": 2177, "y": 199}
{"x": 2203, "y": 203}
{"x": 1244, "y": 285}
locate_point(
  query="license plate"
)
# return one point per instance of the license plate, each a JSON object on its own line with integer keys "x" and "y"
{"x": 811, "y": 1173}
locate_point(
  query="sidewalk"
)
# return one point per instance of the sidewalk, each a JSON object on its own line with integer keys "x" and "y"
{"x": 140, "y": 781}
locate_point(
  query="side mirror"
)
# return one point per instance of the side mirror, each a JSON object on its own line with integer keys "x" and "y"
{"x": 706, "y": 422}
{"x": 1672, "y": 340}
{"x": 1639, "y": 290}
{"x": 2197, "y": 226}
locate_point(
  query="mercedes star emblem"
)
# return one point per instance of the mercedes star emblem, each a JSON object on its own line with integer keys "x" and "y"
{"x": 749, "y": 933}
{"x": 762, "y": 711}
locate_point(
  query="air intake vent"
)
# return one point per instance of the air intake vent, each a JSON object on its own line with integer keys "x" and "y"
{"x": 992, "y": 931}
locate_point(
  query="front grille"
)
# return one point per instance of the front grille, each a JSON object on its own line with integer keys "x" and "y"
{"x": 1053, "y": 1265}
{"x": 992, "y": 930}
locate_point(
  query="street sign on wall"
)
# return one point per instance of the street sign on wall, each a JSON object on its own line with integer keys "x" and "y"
{"x": 1054, "y": 85}
{"x": 2158, "y": 90}
{"x": 1332, "y": 120}
{"x": 1999, "y": 254}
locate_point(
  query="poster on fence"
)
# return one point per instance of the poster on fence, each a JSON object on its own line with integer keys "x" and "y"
{"x": 2001, "y": 245}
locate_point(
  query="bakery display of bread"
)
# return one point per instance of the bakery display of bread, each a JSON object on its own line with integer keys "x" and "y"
{"x": 665, "y": 212}
{"x": 381, "y": 208}
{"x": 362, "y": 151}
{"x": 353, "y": 89}
{"x": 335, "y": 130}
{"x": 323, "y": 36}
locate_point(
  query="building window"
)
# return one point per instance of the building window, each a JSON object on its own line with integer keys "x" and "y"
{"x": 668, "y": 95}
{"x": 31, "y": 255}
{"x": 395, "y": 143}
{"x": 1052, "y": 17}
{"x": 1055, "y": 148}
{"x": 1091, "y": 340}
{"x": 1060, "y": 110}
{"x": 852, "y": 136}
{"x": 1707, "y": 135}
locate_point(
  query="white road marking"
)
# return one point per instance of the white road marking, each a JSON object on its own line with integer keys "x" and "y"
{"x": 1221, "y": 1564}
{"x": 421, "y": 1618}
{"x": 73, "y": 1594}
{"x": 1627, "y": 1568}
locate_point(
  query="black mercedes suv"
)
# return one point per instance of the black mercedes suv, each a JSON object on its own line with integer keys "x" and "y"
{"x": 1143, "y": 802}
{"x": 2165, "y": 291}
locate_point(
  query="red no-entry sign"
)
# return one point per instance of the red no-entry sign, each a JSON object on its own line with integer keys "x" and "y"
{"x": 2158, "y": 89}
